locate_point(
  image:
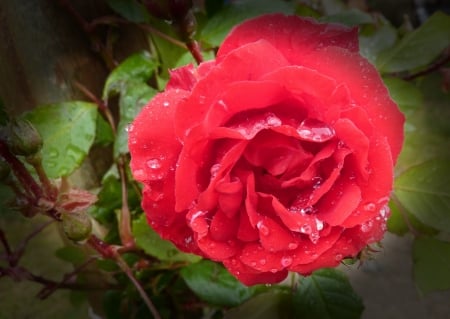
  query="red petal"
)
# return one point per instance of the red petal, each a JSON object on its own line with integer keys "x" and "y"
{"x": 292, "y": 35}
{"x": 274, "y": 237}
{"x": 217, "y": 250}
{"x": 222, "y": 227}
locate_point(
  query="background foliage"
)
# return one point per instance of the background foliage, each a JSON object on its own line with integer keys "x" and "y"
{"x": 127, "y": 270}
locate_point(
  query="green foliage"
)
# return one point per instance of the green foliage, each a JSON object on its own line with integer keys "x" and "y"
{"x": 154, "y": 245}
{"x": 273, "y": 304}
{"x": 352, "y": 17}
{"x": 431, "y": 264}
{"x": 424, "y": 190}
{"x": 70, "y": 254}
{"x": 212, "y": 283}
{"x": 130, "y": 10}
{"x": 235, "y": 12}
{"x": 374, "y": 41}
{"x": 326, "y": 294}
{"x": 419, "y": 47}
{"x": 68, "y": 131}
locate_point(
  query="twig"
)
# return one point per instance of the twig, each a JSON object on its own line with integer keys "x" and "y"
{"x": 433, "y": 67}
{"x": 152, "y": 30}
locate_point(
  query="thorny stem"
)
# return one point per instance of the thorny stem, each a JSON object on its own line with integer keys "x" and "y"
{"x": 123, "y": 265}
{"x": 110, "y": 252}
{"x": 20, "y": 171}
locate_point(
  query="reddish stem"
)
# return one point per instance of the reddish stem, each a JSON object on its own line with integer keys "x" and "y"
{"x": 21, "y": 172}
{"x": 194, "y": 48}
{"x": 126, "y": 235}
{"x": 100, "y": 246}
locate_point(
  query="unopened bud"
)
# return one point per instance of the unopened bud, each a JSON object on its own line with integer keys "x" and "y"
{"x": 23, "y": 138}
{"x": 77, "y": 225}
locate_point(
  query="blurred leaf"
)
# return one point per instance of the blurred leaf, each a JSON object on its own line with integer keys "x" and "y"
{"x": 431, "y": 264}
{"x": 235, "y": 12}
{"x": 273, "y": 304}
{"x": 70, "y": 254}
{"x": 154, "y": 245}
{"x": 68, "y": 131}
{"x": 419, "y": 47}
{"x": 103, "y": 133}
{"x": 137, "y": 68}
{"x": 332, "y": 6}
{"x": 130, "y": 9}
{"x": 304, "y": 10}
{"x": 397, "y": 225}
{"x": 132, "y": 100}
{"x": 215, "y": 285}
{"x": 424, "y": 190}
{"x": 325, "y": 294}
{"x": 383, "y": 37}
{"x": 351, "y": 17}
{"x": 109, "y": 199}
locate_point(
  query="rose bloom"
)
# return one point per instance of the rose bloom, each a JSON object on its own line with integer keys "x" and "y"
{"x": 276, "y": 156}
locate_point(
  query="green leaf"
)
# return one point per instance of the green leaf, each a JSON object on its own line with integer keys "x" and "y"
{"x": 352, "y": 17}
{"x": 382, "y": 38}
{"x": 154, "y": 245}
{"x": 109, "y": 199}
{"x": 424, "y": 190}
{"x": 235, "y": 12}
{"x": 326, "y": 294}
{"x": 103, "y": 133}
{"x": 137, "y": 68}
{"x": 68, "y": 131}
{"x": 70, "y": 254}
{"x": 419, "y": 47}
{"x": 215, "y": 285}
{"x": 132, "y": 100}
{"x": 431, "y": 264}
{"x": 274, "y": 304}
{"x": 130, "y": 9}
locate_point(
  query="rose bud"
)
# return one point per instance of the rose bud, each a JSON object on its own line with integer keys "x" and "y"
{"x": 23, "y": 138}
{"x": 277, "y": 156}
{"x": 76, "y": 225}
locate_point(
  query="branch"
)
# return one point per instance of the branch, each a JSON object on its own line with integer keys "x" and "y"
{"x": 433, "y": 67}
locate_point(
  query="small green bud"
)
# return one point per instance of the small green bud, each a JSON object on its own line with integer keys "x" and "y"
{"x": 23, "y": 138}
{"x": 77, "y": 225}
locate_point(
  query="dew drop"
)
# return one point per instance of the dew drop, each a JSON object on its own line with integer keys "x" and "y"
{"x": 264, "y": 230}
{"x": 306, "y": 229}
{"x": 286, "y": 261}
{"x": 273, "y": 270}
{"x": 223, "y": 105}
{"x": 215, "y": 169}
{"x": 273, "y": 120}
{"x": 307, "y": 210}
{"x": 166, "y": 104}
{"x": 315, "y": 131}
{"x": 292, "y": 246}
{"x": 188, "y": 240}
{"x": 154, "y": 163}
{"x": 129, "y": 128}
{"x": 262, "y": 261}
{"x": 314, "y": 237}
{"x": 370, "y": 207}
{"x": 319, "y": 224}
{"x": 365, "y": 227}
{"x": 338, "y": 257}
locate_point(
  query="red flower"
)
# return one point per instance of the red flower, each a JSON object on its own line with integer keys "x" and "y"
{"x": 277, "y": 156}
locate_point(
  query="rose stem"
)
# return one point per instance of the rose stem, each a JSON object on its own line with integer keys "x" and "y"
{"x": 49, "y": 188}
{"x": 110, "y": 252}
{"x": 21, "y": 172}
{"x": 160, "y": 34}
{"x": 194, "y": 48}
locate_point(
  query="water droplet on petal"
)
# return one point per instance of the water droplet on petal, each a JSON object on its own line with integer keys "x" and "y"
{"x": 338, "y": 257}
{"x": 365, "y": 227}
{"x": 286, "y": 261}
{"x": 223, "y": 104}
{"x": 319, "y": 224}
{"x": 273, "y": 270}
{"x": 314, "y": 237}
{"x": 166, "y": 104}
{"x": 370, "y": 207}
{"x": 273, "y": 120}
{"x": 315, "y": 131}
{"x": 262, "y": 261}
{"x": 263, "y": 228}
{"x": 292, "y": 246}
{"x": 154, "y": 163}
{"x": 305, "y": 229}
{"x": 214, "y": 170}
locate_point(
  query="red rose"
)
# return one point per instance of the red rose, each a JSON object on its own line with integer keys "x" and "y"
{"x": 277, "y": 156}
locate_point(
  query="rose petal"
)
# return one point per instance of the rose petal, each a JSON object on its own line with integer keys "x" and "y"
{"x": 222, "y": 227}
{"x": 182, "y": 78}
{"x": 217, "y": 250}
{"x": 250, "y": 276}
{"x": 248, "y": 62}
{"x": 274, "y": 237}
{"x": 246, "y": 232}
{"x": 292, "y": 35}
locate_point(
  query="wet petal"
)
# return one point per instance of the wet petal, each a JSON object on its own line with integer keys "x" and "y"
{"x": 222, "y": 227}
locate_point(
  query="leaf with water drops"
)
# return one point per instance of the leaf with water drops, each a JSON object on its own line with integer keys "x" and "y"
{"x": 214, "y": 284}
{"x": 68, "y": 131}
{"x": 139, "y": 67}
{"x": 132, "y": 100}
{"x": 431, "y": 264}
{"x": 326, "y": 294}
{"x": 154, "y": 245}
{"x": 424, "y": 190}
{"x": 419, "y": 47}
